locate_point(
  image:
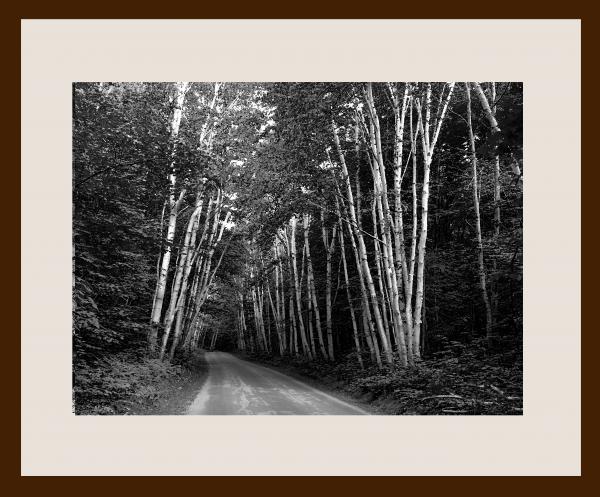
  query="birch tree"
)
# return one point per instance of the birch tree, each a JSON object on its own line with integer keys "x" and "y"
{"x": 363, "y": 252}
{"x": 481, "y": 265}
{"x": 373, "y": 132}
{"x": 491, "y": 117}
{"x": 181, "y": 89}
{"x": 329, "y": 248}
{"x": 428, "y": 142}
{"x": 300, "y": 321}
{"x": 312, "y": 292}
{"x": 349, "y": 296}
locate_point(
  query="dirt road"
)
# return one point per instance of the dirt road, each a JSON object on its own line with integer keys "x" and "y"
{"x": 235, "y": 386}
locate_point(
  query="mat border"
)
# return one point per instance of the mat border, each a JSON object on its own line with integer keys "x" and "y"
{"x": 275, "y": 10}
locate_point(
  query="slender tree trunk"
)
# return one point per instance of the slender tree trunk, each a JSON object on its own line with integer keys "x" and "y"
{"x": 386, "y": 222}
{"x": 241, "y": 322}
{"x": 482, "y": 273}
{"x": 293, "y": 341}
{"x": 428, "y": 145}
{"x": 197, "y": 261}
{"x": 275, "y": 313}
{"x": 206, "y": 281}
{"x": 208, "y": 274}
{"x": 258, "y": 325}
{"x": 261, "y": 314}
{"x": 312, "y": 291}
{"x": 180, "y": 90}
{"x": 368, "y": 323}
{"x": 329, "y": 247}
{"x": 497, "y": 193}
{"x": 356, "y": 228}
{"x": 276, "y": 304}
{"x": 282, "y": 297}
{"x": 385, "y": 302}
{"x": 350, "y": 304}
{"x": 368, "y": 326}
{"x": 363, "y": 254}
{"x": 198, "y": 334}
{"x": 213, "y": 341}
{"x": 402, "y": 270}
{"x": 409, "y": 289}
{"x": 309, "y": 303}
{"x": 496, "y": 174}
{"x": 293, "y": 332}
{"x": 490, "y": 114}
{"x": 183, "y": 269}
{"x": 160, "y": 251}
{"x": 269, "y": 319}
{"x": 162, "y": 280}
{"x": 305, "y": 345}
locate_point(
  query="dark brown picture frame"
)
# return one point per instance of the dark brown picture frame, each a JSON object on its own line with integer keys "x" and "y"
{"x": 270, "y": 9}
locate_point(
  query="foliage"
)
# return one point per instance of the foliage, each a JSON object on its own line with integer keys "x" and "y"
{"x": 461, "y": 379}
{"x": 270, "y": 153}
{"x": 121, "y": 382}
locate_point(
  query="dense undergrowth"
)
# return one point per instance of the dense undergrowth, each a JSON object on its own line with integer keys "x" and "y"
{"x": 130, "y": 383}
{"x": 459, "y": 380}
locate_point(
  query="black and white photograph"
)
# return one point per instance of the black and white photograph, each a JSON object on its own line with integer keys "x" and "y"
{"x": 300, "y": 247}
{"x": 297, "y": 248}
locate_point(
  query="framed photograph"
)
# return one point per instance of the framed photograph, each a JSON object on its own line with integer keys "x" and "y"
{"x": 281, "y": 247}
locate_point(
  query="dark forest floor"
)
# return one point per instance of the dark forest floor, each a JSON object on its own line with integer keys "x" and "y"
{"x": 471, "y": 383}
{"x": 125, "y": 385}
{"x": 178, "y": 394}
{"x": 464, "y": 380}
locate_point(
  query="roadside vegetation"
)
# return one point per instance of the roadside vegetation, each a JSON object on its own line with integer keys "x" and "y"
{"x": 459, "y": 380}
{"x": 365, "y": 235}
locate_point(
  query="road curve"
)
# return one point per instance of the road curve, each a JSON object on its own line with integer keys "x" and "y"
{"x": 238, "y": 387}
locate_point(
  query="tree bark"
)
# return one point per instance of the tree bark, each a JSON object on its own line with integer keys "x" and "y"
{"x": 181, "y": 89}
{"x": 367, "y": 318}
{"x": 329, "y": 248}
{"x": 312, "y": 291}
{"x": 428, "y": 145}
{"x": 350, "y": 304}
{"x": 363, "y": 254}
{"x": 181, "y": 275}
{"x": 481, "y": 265}
{"x": 496, "y": 174}
{"x": 305, "y": 345}
{"x": 491, "y": 117}
{"x": 162, "y": 280}
{"x": 386, "y": 222}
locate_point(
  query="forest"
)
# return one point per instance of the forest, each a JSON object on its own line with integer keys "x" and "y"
{"x": 364, "y": 238}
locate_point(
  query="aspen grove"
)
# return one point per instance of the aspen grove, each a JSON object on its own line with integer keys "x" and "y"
{"x": 368, "y": 235}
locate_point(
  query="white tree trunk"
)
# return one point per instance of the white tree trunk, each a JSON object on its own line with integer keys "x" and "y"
{"x": 312, "y": 291}
{"x": 182, "y": 272}
{"x": 305, "y": 345}
{"x": 363, "y": 254}
{"x": 181, "y": 89}
{"x": 349, "y": 296}
{"x": 428, "y": 145}
{"x": 491, "y": 117}
{"x": 329, "y": 248}
{"x": 481, "y": 265}
{"x": 386, "y": 222}
{"x": 164, "y": 272}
